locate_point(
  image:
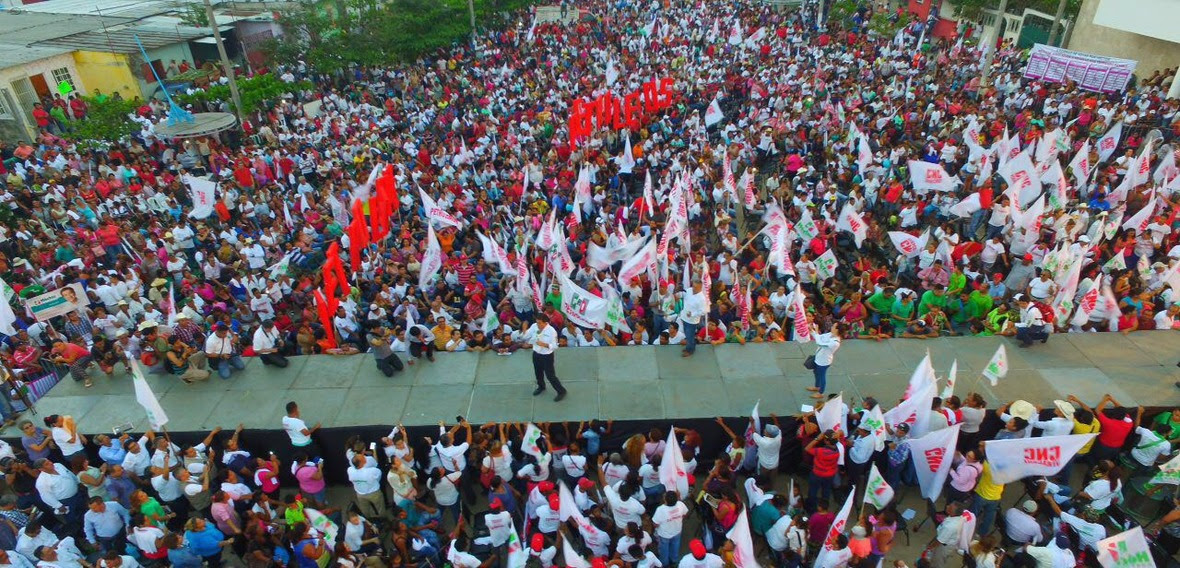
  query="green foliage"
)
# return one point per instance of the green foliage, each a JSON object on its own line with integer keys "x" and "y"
{"x": 973, "y": 9}
{"x": 194, "y": 15}
{"x": 105, "y": 121}
{"x": 333, "y": 36}
{"x": 256, "y": 92}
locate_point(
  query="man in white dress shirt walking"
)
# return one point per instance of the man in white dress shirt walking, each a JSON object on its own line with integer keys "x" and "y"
{"x": 543, "y": 340}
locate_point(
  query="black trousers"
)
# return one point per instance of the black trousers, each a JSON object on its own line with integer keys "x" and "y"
{"x": 273, "y": 359}
{"x": 390, "y": 365}
{"x": 418, "y": 350}
{"x": 543, "y": 369}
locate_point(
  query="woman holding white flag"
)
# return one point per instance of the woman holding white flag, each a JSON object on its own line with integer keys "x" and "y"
{"x": 825, "y": 355}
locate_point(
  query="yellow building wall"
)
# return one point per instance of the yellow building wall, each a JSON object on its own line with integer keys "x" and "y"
{"x": 106, "y": 72}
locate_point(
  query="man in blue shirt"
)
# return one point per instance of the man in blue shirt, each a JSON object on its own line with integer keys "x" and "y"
{"x": 106, "y": 524}
{"x": 111, "y": 451}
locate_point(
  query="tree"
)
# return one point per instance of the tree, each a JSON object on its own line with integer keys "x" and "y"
{"x": 256, "y": 92}
{"x": 973, "y": 9}
{"x": 369, "y": 32}
{"x": 105, "y": 121}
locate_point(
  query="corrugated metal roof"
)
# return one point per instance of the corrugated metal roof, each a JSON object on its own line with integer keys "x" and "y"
{"x": 126, "y": 8}
{"x": 27, "y": 28}
{"x": 15, "y": 55}
{"x": 122, "y": 39}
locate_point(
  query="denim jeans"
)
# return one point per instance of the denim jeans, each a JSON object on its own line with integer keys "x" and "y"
{"x": 227, "y": 366}
{"x": 821, "y": 377}
{"x": 814, "y": 484}
{"x": 668, "y": 549}
{"x": 985, "y": 513}
{"x": 690, "y": 337}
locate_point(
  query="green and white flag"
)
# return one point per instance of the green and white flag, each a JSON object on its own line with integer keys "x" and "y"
{"x": 997, "y": 368}
{"x": 878, "y": 493}
{"x": 491, "y": 321}
{"x": 1169, "y": 473}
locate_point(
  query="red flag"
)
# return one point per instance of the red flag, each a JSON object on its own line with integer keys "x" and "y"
{"x": 334, "y": 273}
{"x": 358, "y": 234}
{"x": 326, "y": 305}
{"x": 382, "y": 204}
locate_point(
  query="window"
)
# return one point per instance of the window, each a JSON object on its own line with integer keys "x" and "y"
{"x": 5, "y": 112}
{"x": 62, "y": 74}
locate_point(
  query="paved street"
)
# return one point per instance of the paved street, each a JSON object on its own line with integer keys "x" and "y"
{"x": 631, "y": 383}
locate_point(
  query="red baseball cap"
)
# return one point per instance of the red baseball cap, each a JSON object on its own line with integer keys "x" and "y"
{"x": 496, "y": 504}
{"x": 545, "y": 486}
{"x": 585, "y": 483}
{"x": 538, "y": 542}
{"x": 554, "y": 502}
{"x": 697, "y": 548}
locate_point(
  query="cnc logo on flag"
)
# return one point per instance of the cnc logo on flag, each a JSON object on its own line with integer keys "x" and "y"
{"x": 1049, "y": 457}
{"x": 1107, "y": 144}
{"x": 834, "y": 533}
{"x": 854, "y": 225}
{"x": 1014, "y": 152}
{"x": 934, "y": 458}
{"x": 1020, "y": 179}
{"x": 908, "y": 247}
{"x": 934, "y": 176}
{"x": 1122, "y": 556}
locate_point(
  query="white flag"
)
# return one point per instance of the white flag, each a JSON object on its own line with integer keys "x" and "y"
{"x": 948, "y": 390}
{"x": 837, "y": 529}
{"x": 517, "y": 555}
{"x": 908, "y": 244}
{"x": 735, "y": 33}
{"x": 156, "y": 416}
{"x": 852, "y": 222}
{"x": 436, "y": 214}
{"x": 713, "y": 114}
{"x": 612, "y": 72}
{"x": 627, "y": 161}
{"x": 571, "y": 557}
{"x": 933, "y": 454}
{"x": 581, "y": 307}
{"x": 874, "y": 422}
{"x": 1018, "y": 458}
{"x": 878, "y": 493}
{"x": 638, "y": 263}
{"x": 925, "y": 176}
{"x": 203, "y": 194}
{"x": 531, "y": 442}
{"x": 1080, "y": 164}
{"x": 491, "y": 321}
{"x": 922, "y": 376}
{"x": 997, "y": 368}
{"x": 1024, "y": 183}
{"x": 914, "y": 411}
{"x": 431, "y": 259}
{"x": 1127, "y": 549}
{"x": 967, "y": 207}
{"x": 802, "y": 325}
{"x": 1139, "y": 221}
{"x": 825, "y": 264}
{"x": 743, "y": 543}
{"x": 7, "y": 316}
{"x": 648, "y": 196}
{"x": 830, "y": 416}
{"x": 673, "y": 474}
{"x": 864, "y": 155}
{"x": 1109, "y": 142}
{"x": 172, "y": 311}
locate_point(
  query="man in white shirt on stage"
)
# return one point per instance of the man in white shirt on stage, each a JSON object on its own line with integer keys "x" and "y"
{"x": 542, "y": 337}
{"x": 695, "y": 308}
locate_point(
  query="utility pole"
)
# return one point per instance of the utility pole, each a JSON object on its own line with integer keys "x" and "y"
{"x": 989, "y": 48}
{"x": 1056, "y": 21}
{"x": 471, "y": 14}
{"x": 225, "y": 65}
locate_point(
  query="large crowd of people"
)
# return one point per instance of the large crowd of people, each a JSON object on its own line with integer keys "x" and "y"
{"x": 882, "y": 190}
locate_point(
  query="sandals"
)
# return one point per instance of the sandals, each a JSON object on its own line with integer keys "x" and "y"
{"x": 88, "y": 383}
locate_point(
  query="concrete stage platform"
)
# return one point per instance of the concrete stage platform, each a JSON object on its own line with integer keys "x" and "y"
{"x": 625, "y": 383}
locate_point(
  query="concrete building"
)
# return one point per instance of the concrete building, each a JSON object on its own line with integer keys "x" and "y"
{"x": 1142, "y": 30}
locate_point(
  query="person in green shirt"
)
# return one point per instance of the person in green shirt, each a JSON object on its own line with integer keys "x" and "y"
{"x": 880, "y": 305}
{"x": 767, "y": 513}
{"x": 958, "y": 281}
{"x": 979, "y": 303}
{"x": 997, "y": 319}
{"x": 935, "y": 296}
{"x": 64, "y": 253}
{"x": 1170, "y": 419}
{"x": 902, "y": 312}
